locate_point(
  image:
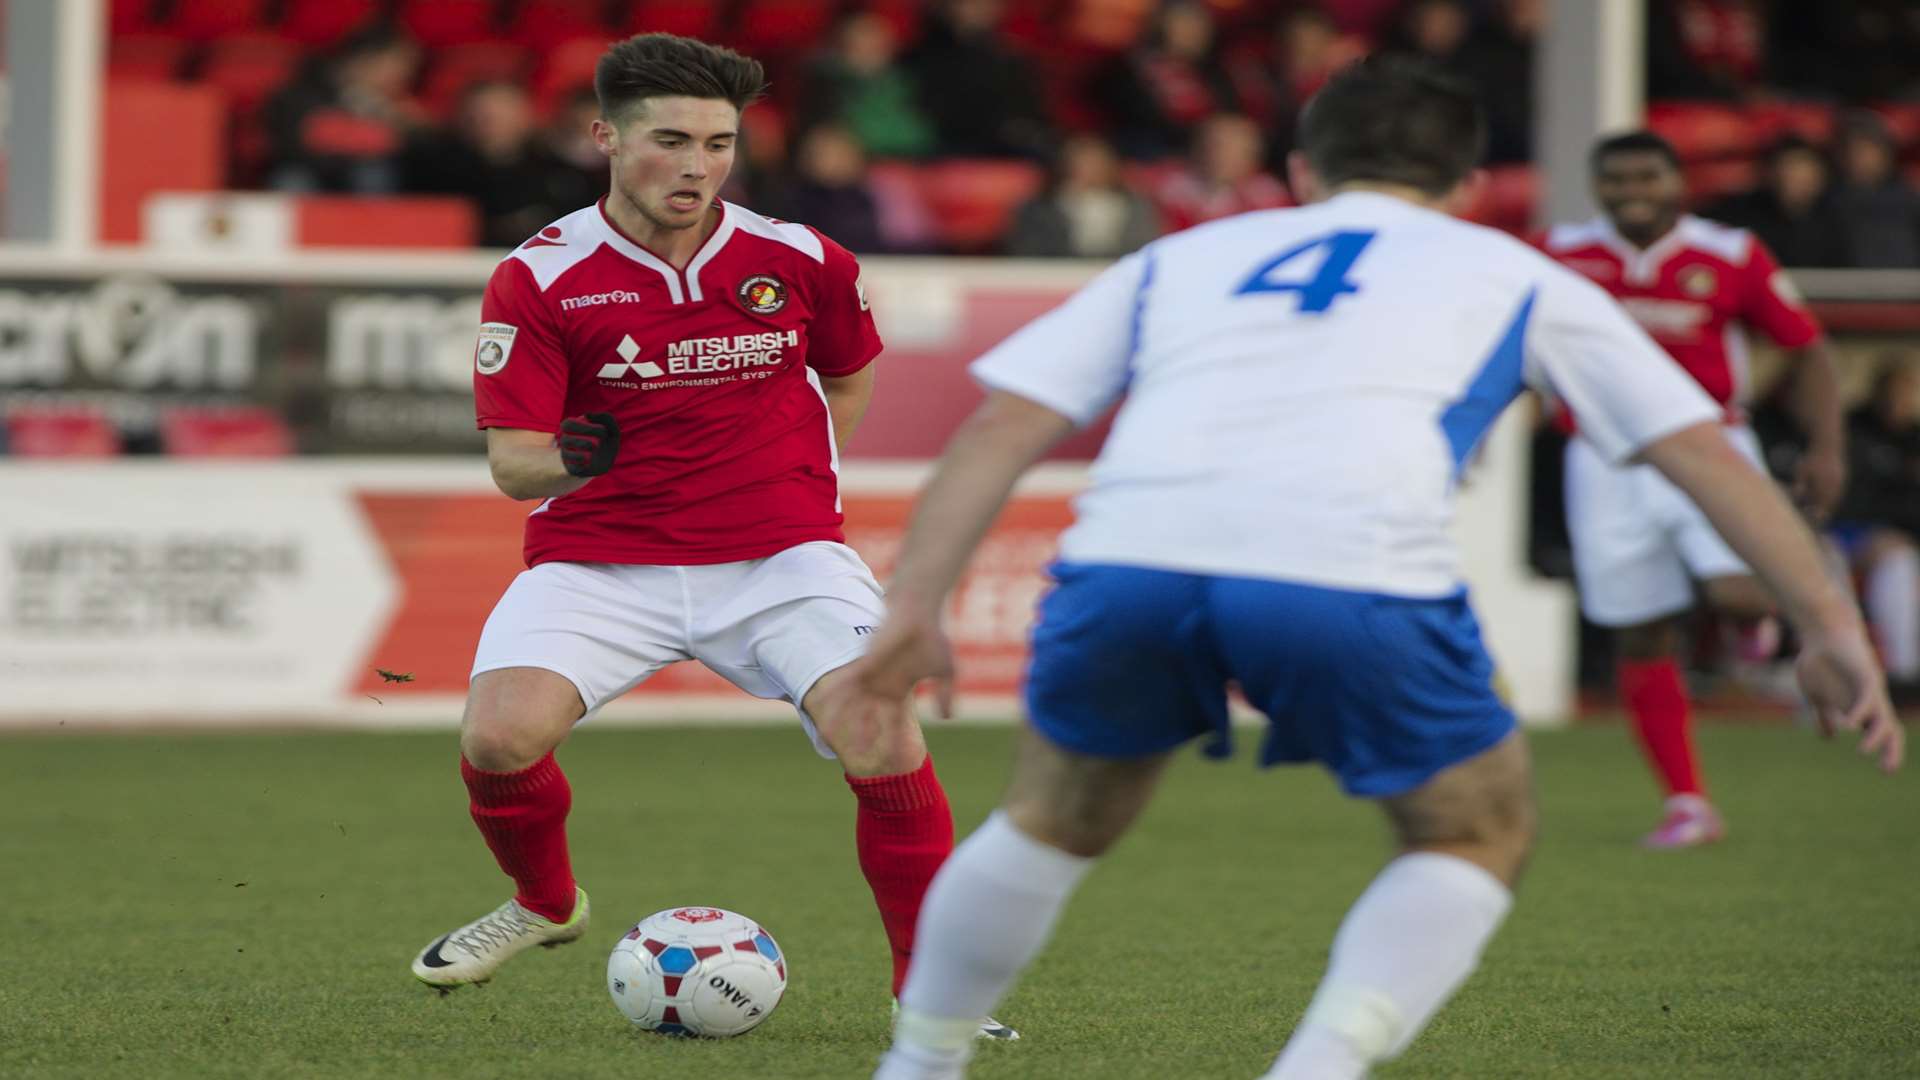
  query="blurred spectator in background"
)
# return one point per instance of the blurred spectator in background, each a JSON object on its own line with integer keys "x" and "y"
{"x": 567, "y": 140}
{"x": 1793, "y": 211}
{"x": 984, "y": 98}
{"x": 1878, "y": 520}
{"x": 344, "y": 125}
{"x": 1306, "y": 48}
{"x": 828, "y": 189}
{"x": 1705, "y": 48}
{"x": 494, "y": 156}
{"x": 1087, "y": 210}
{"x": 1499, "y": 60}
{"x": 1223, "y": 177}
{"x": 1881, "y": 214}
{"x": 857, "y": 84}
{"x": 1158, "y": 92}
{"x": 1496, "y": 57}
{"x": 1858, "y": 50}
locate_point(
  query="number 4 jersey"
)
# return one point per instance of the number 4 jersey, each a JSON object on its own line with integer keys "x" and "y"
{"x": 714, "y": 373}
{"x": 1303, "y": 388}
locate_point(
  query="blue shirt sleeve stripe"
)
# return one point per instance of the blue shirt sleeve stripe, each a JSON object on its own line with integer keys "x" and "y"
{"x": 1498, "y": 382}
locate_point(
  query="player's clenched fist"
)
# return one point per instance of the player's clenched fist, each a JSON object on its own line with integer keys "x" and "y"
{"x": 588, "y": 444}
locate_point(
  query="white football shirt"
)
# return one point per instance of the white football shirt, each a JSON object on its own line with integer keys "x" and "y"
{"x": 1303, "y": 387}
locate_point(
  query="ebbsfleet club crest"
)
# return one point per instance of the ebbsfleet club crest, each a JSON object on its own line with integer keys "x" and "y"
{"x": 763, "y": 294}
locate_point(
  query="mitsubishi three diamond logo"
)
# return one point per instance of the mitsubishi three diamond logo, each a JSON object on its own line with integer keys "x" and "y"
{"x": 646, "y": 369}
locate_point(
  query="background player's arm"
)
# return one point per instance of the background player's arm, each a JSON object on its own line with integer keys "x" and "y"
{"x": 526, "y": 464}
{"x": 1814, "y": 402}
{"x": 1770, "y": 304}
{"x": 847, "y": 399}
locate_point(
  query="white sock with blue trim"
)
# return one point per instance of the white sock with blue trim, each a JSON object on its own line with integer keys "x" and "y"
{"x": 990, "y": 909}
{"x": 1407, "y": 944}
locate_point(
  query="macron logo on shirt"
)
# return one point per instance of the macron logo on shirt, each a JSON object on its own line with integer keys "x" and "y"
{"x": 617, "y": 296}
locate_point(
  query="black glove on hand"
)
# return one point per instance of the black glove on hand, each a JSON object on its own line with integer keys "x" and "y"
{"x": 588, "y": 444}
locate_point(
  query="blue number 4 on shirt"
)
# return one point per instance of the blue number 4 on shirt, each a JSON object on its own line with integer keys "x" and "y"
{"x": 1328, "y": 283}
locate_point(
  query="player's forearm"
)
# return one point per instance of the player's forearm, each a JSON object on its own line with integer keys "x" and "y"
{"x": 1757, "y": 522}
{"x": 999, "y": 442}
{"x": 531, "y": 471}
{"x": 1815, "y": 401}
{"x": 847, "y": 401}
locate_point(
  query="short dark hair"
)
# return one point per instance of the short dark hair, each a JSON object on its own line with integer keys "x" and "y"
{"x": 668, "y": 65}
{"x": 1395, "y": 119}
{"x": 1633, "y": 142}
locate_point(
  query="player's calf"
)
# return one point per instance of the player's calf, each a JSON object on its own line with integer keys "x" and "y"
{"x": 1417, "y": 932}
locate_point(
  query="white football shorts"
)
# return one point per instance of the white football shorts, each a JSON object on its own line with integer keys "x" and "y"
{"x": 1638, "y": 542}
{"x": 771, "y": 626}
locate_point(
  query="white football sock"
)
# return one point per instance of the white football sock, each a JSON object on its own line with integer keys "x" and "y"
{"x": 1893, "y": 607}
{"x": 1407, "y": 944}
{"x": 989, "y": 910}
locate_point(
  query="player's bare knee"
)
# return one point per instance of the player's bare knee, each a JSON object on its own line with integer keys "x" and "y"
{"x": 1654, "y": 640}
{"x": 515, "y": 716}
{"x": 1739, "y": 596}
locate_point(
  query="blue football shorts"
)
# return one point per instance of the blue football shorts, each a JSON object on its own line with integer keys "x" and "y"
{"x": 1384, "y": 691}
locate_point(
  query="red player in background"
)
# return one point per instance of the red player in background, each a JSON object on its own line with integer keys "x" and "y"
{"x": 673, "y": 376}
{"x": 1696, "y": 287}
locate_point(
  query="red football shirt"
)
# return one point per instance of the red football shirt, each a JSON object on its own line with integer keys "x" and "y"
{"x": 1692, "y": 292}
{"x": 714, "y": 372}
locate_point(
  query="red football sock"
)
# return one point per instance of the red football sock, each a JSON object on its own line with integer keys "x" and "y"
{"x": 1653, "y": 693}
{"x": 523, "y": 816}
{"x": 904, "y": 831}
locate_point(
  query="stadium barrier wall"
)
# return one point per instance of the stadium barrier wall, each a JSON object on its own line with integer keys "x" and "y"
{"x": 184, "y": 592}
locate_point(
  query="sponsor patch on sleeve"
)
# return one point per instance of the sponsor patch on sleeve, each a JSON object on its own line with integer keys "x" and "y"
{"x": 494, "y": 348}
{"x": 860, "y": 290}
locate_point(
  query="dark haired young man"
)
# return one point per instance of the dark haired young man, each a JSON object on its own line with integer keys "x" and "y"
{"x": 672, "y": 377}
{"x": 1302, "y": 389}
{"x": 1639, "y": 544}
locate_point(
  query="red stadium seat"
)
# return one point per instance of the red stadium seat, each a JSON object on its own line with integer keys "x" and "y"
{"x": 1511, "y": 194}
{"x": 565, "y": 69}
{"x": 1903, "y": 120}
{"x": 543, "y": 24}
{"x": 129, "y": 17}
{"x": 248, "y": 431}
{"x": 435, "y": 23}
{"x": 248, "y": 68}
{"x": 692, "y": 18}
{"x": 65, "y": 434}
{"x": 902, "y": 15}
{"x": 146, "y": 56}
{"x": 204, "y": 20}
{"x": 1809, "y": 120}
{"x": 1700, "y": 130}
{"x": 762, "y": 27}
{"x": 1710, "y": 180}
{"x": 972, "y": 201}
{"x": 323, "y": 22}
{"x": 457, "y": 67}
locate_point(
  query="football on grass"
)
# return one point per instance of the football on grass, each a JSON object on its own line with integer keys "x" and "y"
{"x": 697, "y": 971}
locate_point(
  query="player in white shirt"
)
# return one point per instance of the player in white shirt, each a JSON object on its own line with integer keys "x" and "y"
{"x": 1302, "y": 388}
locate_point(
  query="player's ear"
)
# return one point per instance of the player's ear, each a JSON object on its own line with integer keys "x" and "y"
{"x": 605, "y": 136}
{"x": 1303, "y": 180}
{"x": 1466, "y": 195}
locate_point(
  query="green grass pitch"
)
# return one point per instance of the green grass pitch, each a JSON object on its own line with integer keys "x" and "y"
{"x": 245, "y": 905}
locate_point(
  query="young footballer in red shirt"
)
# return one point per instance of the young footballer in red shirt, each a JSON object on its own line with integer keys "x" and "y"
{"x": 672, "y": 376}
